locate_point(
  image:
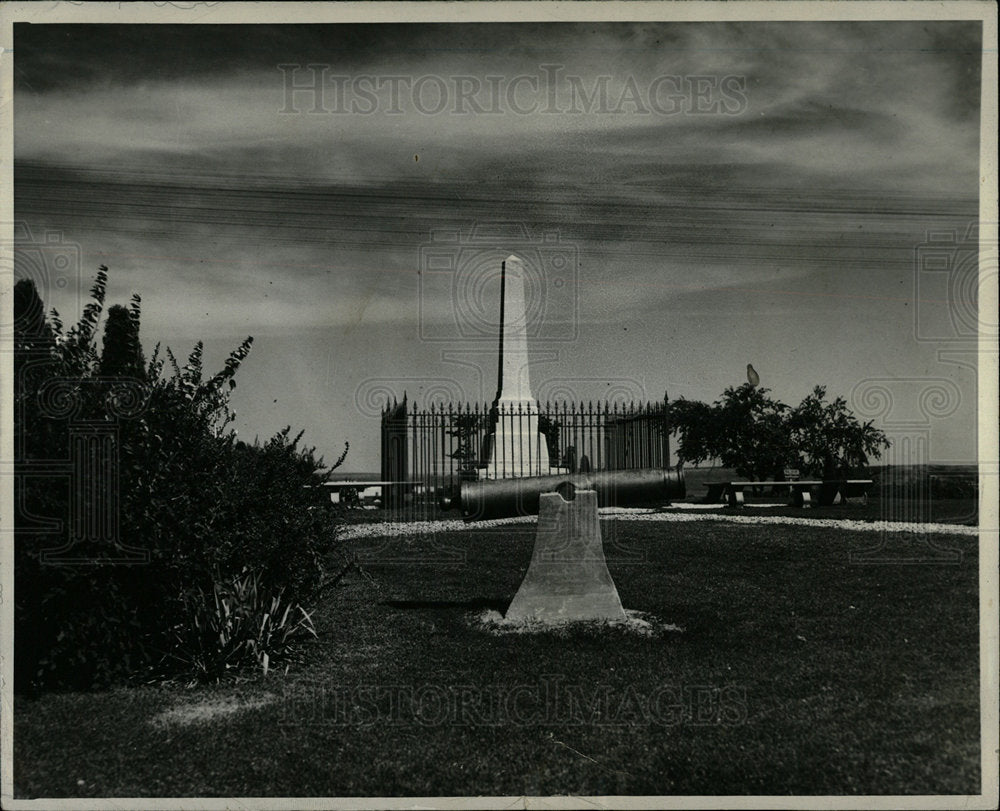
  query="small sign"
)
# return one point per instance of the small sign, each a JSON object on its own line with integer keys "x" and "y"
{"x": 791, "y": 474}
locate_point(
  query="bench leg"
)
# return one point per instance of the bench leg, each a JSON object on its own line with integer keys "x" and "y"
{"x": 736, "y": 498}
{"x": 805, "y": 499}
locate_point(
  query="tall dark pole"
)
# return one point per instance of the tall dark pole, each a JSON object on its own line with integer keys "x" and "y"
{"x": 666, "y": 430}
{"x": 503, "y": 280}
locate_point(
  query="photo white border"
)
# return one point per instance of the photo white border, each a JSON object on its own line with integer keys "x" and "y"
{"x": 319, "y": 12}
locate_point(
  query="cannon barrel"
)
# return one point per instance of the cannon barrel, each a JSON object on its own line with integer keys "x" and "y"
{"x": 502, "y": 498}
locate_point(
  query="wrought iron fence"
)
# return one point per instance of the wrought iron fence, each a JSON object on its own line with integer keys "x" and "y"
{"x": 427, "y": 450}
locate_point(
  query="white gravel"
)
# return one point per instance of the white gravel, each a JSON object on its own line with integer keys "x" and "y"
{"x": 389, "y": 529}
{"x": 636, "y": 622}
{"x": 836, "y": 523}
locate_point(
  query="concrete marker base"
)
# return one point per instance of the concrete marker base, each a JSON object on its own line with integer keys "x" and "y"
{"x": 568, "y": 578}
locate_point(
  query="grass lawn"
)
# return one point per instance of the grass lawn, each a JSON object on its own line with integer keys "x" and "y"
{"x": 796, "y": 671}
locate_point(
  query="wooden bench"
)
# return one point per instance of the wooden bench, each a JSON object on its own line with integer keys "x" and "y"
{"x": 732, "y": 492}
{"x": 801, "y": 491}
{"x": 834, "y": 491}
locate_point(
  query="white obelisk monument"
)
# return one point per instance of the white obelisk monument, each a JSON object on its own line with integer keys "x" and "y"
{"x": 517, "y": 449}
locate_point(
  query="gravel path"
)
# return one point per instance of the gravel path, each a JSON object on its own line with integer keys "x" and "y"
{"x": 388, "y": 529}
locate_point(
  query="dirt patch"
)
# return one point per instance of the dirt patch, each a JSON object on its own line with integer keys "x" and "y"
{"x": 211, "y": 709}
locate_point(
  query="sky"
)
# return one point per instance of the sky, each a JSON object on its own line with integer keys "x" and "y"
{"x": 692, "y": 197}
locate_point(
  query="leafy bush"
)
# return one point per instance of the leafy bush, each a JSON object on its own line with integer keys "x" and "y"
{"x": 829, "y": 440}
{"x": 182, "y": 506}
{"x": 234, "y": 625}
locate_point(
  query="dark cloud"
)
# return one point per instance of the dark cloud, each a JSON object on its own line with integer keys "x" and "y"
{"x": 54, "y": 56}
{"x": 60, "y": 56}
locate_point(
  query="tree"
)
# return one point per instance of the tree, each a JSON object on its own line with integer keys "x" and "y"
{"x": 121, "y": 355}
{"x": 33, "y": 344}
{"x": 744, "y": 430}
{"x": 550, "y": 428}
{"x": 828, "y": 439}
{"x": 698, "y": 433}
{"x": 758, "y": 436}
{"x": 32, "y": 331}
{"x": 465, "y": 428}
{"x": 751, "y": 431}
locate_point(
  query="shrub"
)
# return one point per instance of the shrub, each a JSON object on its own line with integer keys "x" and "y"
{"x": 189, "y": 506}
{"x": 235, "y": 624}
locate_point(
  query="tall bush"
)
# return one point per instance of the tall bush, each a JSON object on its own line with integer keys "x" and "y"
{"x": 193, "y": 507}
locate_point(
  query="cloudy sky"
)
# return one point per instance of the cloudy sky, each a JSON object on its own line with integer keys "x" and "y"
{"x": 721, "y": 193}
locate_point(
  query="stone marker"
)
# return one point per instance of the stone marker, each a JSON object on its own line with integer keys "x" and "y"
{"x": 568, "y": 578}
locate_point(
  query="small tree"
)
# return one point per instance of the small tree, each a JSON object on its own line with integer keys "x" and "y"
{"x": 550, "y": 429}
{"x": 828, "y": 439}
{"x": 122, "y": 352}
{"x": 465, "y": 428}
{"x": 753, "y": 436}
{"x": 696, "y": 426}
{"x": 744, "y": 430}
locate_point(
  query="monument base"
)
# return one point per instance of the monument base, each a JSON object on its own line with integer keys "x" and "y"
{"x": 568, "y": 578}
{"x": 517, "y": 449}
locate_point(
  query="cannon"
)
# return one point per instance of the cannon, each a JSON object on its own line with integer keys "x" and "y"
{"x": 568, "y": 578}
{"x": 503, "y": 498}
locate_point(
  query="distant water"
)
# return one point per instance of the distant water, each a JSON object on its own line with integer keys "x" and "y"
{"x": 363, "y": 476}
